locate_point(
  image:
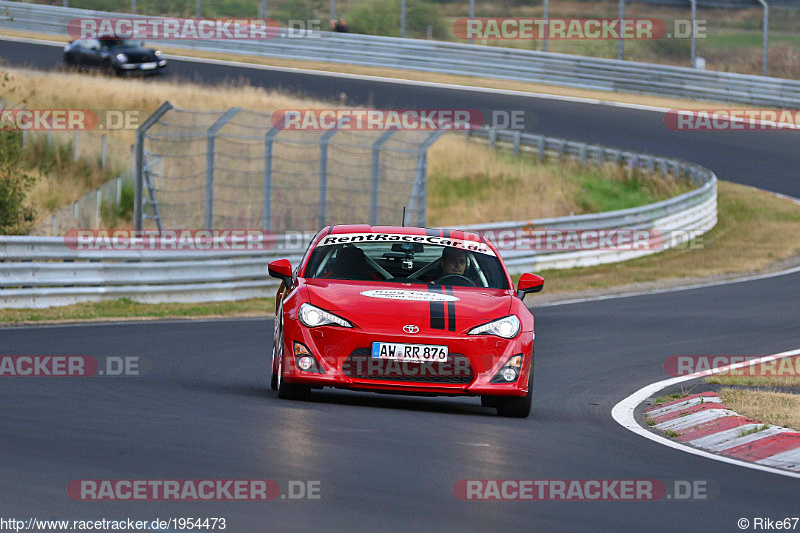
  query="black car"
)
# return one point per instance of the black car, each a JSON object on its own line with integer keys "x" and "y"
{"x": 120, "y": 56}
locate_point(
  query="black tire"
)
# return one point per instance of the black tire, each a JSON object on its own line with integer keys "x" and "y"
{"x": 273, "y": 384}
{"x": 292, "y": 391}
{"x": 517, "y": 406}
{"x": 489, "y": 401}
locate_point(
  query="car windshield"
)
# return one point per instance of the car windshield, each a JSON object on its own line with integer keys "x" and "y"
{"x": 120, "y": 43}
{"x": 467, "y": 264}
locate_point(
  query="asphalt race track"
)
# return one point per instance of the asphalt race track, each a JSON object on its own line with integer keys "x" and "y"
{"x": 204, "y": 409}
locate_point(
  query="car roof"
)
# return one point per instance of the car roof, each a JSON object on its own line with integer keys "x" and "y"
{"x": 405, "y": 230}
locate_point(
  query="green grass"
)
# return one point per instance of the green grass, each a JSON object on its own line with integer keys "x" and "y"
{"x": 671, "y": 433}
{"x": 126, "y": 308}
{"x": 599, "y": 193}
{"x": 746, "y": 432}
{"x": 666, "y": 399}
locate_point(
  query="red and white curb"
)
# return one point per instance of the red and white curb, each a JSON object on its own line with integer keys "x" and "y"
{"x": 703, "y": 421}
{"x": 771, "y": 454}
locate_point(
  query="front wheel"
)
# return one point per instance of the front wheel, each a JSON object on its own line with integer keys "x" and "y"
{"x": 517, "y": 406}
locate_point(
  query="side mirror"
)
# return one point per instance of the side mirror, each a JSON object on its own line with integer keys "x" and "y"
{"x": 529, "y": 283}
{"x": 281, "y": 269}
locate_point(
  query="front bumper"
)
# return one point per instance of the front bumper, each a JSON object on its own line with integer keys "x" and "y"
{"x": 146, "y": 68}
{"x": 344, "y": 355}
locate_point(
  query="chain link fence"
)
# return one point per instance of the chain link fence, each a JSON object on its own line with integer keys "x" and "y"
{"x": 234, "y": 169}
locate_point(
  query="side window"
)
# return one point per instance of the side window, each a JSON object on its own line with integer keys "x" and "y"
{"x": 92, "y": 44}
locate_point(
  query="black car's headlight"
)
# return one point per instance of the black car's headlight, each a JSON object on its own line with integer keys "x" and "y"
{"x": 312, "y": 316}
{"x": 122, "y": 58}
{"x": 506, "y": 327}
{"x": 158, "y": 53}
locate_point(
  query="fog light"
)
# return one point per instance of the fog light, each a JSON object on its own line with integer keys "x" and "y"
{"x": 509, "y": 373}
{"x": 305, "y": 363}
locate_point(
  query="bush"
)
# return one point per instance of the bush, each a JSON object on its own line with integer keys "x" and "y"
{"x": 382, "y": 17}
{"x": 15, "y": 217}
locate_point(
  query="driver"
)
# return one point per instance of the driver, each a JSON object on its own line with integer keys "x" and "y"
{"x": 454, "y": 261}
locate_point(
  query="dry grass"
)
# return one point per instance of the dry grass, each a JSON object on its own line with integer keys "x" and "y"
{"x": 775, "y": 408}
{"x": 765, "y": 225}
{"x": 783, "y": 372}
{"x": 469, "y": 183}
{"x": 489, "y": 186}
{"x": 465, "y": 80}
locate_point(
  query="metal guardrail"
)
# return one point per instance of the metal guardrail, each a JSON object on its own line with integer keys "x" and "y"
{"x": 462, "y": 59}
{"x": 46, "y": 271}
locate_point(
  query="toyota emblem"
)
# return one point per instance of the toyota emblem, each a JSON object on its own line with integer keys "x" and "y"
{"x": 410, "y": 328}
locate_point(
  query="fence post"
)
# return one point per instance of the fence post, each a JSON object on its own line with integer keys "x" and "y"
{"x": 104, "y": 151}
{"x": 322, "y": 207}
{"x": 694, "y": 33}
{"x": 517, "y": 137}
{"x": 133, "y": 7}
{"x": 765, "y": 37}
{"x": 211, "y": 140}
{"x": 540, "y": 147}
{"x": 99, "y": 201}
{"x": 119, "y": 190}
{"x": 49, "y": 138}
{"x": 24, "y": 138}
{"x": 138, "y": 196}
{"x": 419, "y": 192}
{"x": 53, "y": 218}
{"x": 620, "y": 42}
{"x": 545, "y": 16}
{"x": 75, "y": 145}
{"x": 198, "y": 9}
{"x": 493, "y": 138}
{"x": 266, "y": 212}
{"x": 376, "y": 172}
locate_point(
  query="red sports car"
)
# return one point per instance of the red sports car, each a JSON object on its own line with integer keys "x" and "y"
{"x": 404, "y": 310}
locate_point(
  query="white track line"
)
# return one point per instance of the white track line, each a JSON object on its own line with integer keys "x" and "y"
{"x": 674, "y": 289}
{"x": 623, "y": 413}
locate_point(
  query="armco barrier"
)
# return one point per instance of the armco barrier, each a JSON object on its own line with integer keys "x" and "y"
{"x": 44, "y": 271}
{"x": 461, "y": 59}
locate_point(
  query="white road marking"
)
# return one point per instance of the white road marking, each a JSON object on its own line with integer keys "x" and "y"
{"x": 623, "y": 413}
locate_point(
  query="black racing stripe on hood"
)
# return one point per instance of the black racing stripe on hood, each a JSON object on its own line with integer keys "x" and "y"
{"x": 451, "y": 311}
{"x": 436, "y": 310}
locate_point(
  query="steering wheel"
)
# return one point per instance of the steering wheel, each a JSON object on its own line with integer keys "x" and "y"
{"x": 465, "y": 281}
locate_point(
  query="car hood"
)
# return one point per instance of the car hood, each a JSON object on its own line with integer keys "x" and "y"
{"x": 137, "y": 54}
{"x": 394, "y": 302}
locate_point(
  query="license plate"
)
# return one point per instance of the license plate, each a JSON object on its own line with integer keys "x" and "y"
{"x": 148, "y": 66}
{"x": 414, "y": 353}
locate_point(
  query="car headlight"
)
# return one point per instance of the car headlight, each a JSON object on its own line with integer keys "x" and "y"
{"x": 312, "y": 316}
{"x": 158, "y": 53}
{"x": 506, "y": 327}
{"x": 122, "y": 58}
